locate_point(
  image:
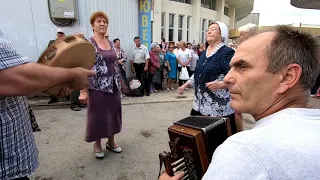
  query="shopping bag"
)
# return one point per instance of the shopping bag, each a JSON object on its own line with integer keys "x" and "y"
{"x": 184, "y": 75}
{"x": 134, "y": 84}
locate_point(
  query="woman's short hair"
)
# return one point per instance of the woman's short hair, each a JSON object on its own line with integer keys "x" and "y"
{"x": 184, "y": 44}
{"x": 248, "y": 28}
{"x": 97, "y": 14}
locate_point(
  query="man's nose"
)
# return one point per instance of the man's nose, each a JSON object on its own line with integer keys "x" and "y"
{"x": 229, "y": 78}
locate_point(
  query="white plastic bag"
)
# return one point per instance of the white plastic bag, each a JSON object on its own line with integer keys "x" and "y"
{"x": 134, "y": 84}
{"x": 184, "y": 75}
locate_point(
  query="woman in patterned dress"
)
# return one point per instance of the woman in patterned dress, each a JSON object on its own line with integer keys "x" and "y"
{"x": 122, "y": 59}
{"x": 212, "y": 97}
{"x": 104, "y": 101}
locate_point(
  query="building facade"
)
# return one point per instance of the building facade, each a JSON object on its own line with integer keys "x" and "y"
{"x": 27, "y": 23}
{"x": 29, "y": 26}
{"x": 176, "y": 20}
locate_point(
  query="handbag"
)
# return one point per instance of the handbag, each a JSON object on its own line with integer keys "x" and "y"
{"x": 184, "y": 75}
{"x": 34, "y": 124}
{"x": 157, "y": 78}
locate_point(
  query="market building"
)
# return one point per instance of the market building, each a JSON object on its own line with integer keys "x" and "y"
{"x": 31, "y": 24}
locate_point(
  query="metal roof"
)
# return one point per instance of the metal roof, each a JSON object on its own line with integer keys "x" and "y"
{"x": 243, "y": 7}
{"x": 306, "y": 4}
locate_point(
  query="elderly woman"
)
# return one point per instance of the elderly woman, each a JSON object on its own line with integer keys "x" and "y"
{"x": 201, "y": 48}
{"x": 172, "y": 66}
{"x": 153, "y": 65}
{"x": 211, "y": 94}
{"x": 184, "y": 58}
{"x": 104, "y": 101}
{"x": 247, "y": 31}
{"x": 194, "y": 59}
{"x": 122, "y": 59}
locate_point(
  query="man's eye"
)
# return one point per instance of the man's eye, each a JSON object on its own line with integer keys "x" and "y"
{"x": 243, "y": 66}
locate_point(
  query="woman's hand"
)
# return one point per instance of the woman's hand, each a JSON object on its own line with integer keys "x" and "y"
{"x": 169, "y": 69}
{"x": 83, "y": 97}
{"x": 120, "y": 62}
{"x": 183, "y": 87}
{"x": 215, "y": 85}
{"x": 165, "y": 176}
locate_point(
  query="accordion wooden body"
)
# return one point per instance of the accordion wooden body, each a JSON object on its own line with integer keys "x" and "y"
{"x": 192, "y": 143}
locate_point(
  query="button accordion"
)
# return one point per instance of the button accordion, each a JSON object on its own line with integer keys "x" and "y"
{"x": 192, "y": 143}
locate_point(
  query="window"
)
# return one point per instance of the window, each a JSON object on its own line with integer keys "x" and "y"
{"x": 180, "y": 21}
{"x": 170, "y": 34}
{"x": 209, "y": 22}
{"x": 183, "y": 1}
{"x": 163, "y": 19}
{"x": 180, "y": 27}
{"x": 171, "y": 26}
{"x": 226, "y": 11}
{"x": 210, "y": 4}
{"x": 171, "y": 20}
{"x": 179, "y": 35}
{"x": 188, "y": 28}
{"x": 151, "y": 31}
{"x": 203, "y": 29}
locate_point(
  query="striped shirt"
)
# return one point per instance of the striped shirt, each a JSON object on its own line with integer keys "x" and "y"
{"x": 18, "y": 151}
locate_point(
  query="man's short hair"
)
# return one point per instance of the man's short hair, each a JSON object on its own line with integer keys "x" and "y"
{"x": 115, "y": 40}
{"x": 291, "y": 46}
{"x": 137, "y": 37}
{"x": 248, "y": 28}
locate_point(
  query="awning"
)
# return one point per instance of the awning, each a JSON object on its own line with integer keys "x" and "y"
{"x": 306, "y": 4}
{"x": 243, "y": 7}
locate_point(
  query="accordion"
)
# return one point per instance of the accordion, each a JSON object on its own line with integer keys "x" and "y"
{"x": 192, "y": 143}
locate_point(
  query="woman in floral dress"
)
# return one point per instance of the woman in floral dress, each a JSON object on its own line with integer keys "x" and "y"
{"x": 212, "y": 97}
{"x": 122, "y": 59}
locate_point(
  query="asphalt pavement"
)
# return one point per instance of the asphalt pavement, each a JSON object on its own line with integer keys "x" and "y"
{"x": 65, "y": 155}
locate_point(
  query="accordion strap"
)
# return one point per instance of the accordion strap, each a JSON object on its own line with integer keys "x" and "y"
{"x": 162, "y": 157}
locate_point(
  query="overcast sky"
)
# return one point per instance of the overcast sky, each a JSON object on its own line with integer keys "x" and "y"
{"x": 282, "y": 12}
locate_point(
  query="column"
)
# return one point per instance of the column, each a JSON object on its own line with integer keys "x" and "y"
{"x": 184, "y": 28}
{"x": 157, "y": 15}
{"x": 175, "y": 25}
{"x": 220, "y": 9}
{"x": 232, "y": 16}
{"x": 166, "y": 27}
{"x": 195, "y": 23}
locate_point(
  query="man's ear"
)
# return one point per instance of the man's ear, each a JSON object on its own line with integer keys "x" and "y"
{"x": 290, "y": 76}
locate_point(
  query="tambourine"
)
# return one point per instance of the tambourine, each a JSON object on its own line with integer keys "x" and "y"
{"x": 71, "y": 52}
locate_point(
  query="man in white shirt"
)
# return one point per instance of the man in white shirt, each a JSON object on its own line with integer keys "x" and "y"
{"x": 140, "y": 63}
{"x": 270, "y": 77}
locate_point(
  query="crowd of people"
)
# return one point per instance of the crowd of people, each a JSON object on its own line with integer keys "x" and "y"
{"x": 268, "y": 75}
